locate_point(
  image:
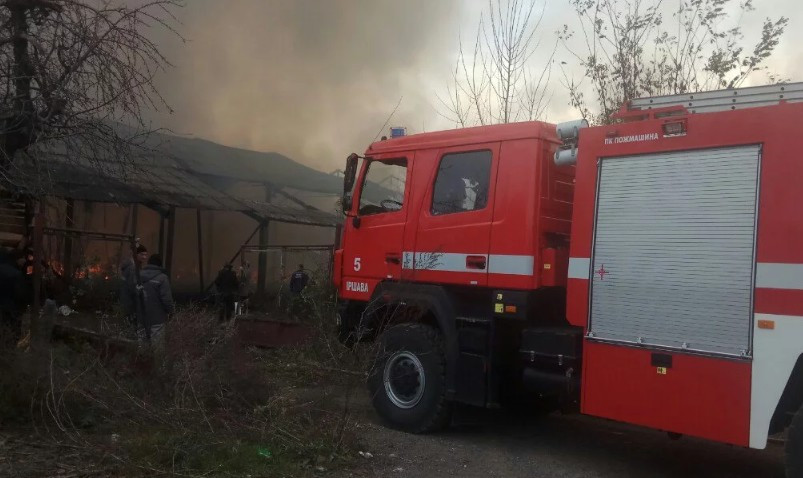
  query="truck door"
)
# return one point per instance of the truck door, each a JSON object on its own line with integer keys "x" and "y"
{"x": 373, "y": 239}
{"x": 454, "y": 226}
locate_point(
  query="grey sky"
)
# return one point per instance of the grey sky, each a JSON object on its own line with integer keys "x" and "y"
{"x": 316, "y": 79}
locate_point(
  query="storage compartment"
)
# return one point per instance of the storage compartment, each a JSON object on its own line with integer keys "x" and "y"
{"x": 552, "y": 344}
{"x": 551, "y": 361}
{"x": 706, "y": 397}
{"x": 673, "y": 250}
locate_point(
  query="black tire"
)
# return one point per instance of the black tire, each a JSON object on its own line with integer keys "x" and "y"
{"x": 794, "y": 447}
{"x": 348, "y": 323}
{"x": 399, "y": 346}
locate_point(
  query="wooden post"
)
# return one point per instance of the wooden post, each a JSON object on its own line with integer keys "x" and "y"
{"x": 30, "y": 213}
{"x": 338, "y": 236}
{"x": 262, "y": 271}
{"x": 125, "y": 230}
{"x": 331, "y": 263}
{"x": 69, "y": 223}
{"x": 134, "y": 220}
{"x": 161, "y": 247}
{"x": 38, "y": 229}
{"x": 171, "y": 234}
{"x": 135, "y": 242}
{"x": 200, "y": 251}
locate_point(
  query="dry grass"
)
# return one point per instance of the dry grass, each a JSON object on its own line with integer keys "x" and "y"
{"x": 201, "y": 406}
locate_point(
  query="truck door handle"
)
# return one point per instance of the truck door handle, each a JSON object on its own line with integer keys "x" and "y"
{"x": 476, "y": 262}
{"x": 393, "y": 258}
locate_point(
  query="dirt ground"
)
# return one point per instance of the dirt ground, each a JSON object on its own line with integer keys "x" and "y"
{"x": 480, "y": 443}
{"x": 492, "y": 443}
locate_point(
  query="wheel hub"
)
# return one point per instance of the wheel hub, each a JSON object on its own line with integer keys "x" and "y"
{"x": 404, "y": 379}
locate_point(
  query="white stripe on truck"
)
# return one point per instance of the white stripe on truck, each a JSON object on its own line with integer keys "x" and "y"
{"x": 579, "y": 267}
{"x": 773, "y": 275}
{"x": 769, "y": 275}
{"x": 455, "y": 262}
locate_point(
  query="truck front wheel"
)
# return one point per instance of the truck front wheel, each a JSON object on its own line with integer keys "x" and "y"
{"x": 408, "y": 379}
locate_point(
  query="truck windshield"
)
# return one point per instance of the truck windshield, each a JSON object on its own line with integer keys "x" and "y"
{"x": 383, "y": 187}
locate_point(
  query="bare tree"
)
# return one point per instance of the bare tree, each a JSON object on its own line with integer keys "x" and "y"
{"x": 494, "y": 82}
{"x": 629, "y": 50}
{"x": 72, "y": 72}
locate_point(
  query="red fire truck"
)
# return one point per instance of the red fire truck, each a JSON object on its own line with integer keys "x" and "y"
{"x": 649, "y": 271}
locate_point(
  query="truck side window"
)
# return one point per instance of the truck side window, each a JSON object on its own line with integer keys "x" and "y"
{"x": 462, "y": 182}
{"x": 383, "y": 188}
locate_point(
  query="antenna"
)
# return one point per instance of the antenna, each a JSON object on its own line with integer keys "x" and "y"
{"x": 388, "y": 120}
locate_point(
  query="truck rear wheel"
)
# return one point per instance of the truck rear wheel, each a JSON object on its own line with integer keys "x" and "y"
{"x": 408, "y": 379}
{"x": 794, "y": 447}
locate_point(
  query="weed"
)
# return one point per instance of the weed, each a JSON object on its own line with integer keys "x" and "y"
{"x": 200, "y": 406}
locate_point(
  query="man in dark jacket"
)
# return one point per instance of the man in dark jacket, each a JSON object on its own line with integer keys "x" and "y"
{"x": 298, "y": 281}
{"x": 244, "y": 289}
{"x": 156, "y": 301}
{"x": 227, "y": 286}
{"x": 11, "y": 281}
{"x": 128, "y": 288}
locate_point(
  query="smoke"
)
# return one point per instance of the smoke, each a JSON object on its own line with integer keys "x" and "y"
{"x": 312, "y": 79}
{"x": 316, "y": 79}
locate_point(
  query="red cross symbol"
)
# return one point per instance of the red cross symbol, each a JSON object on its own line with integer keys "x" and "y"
{"x": 602, "y": 272}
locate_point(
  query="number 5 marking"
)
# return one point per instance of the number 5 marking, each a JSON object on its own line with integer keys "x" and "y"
{"x": 357, "y": 265}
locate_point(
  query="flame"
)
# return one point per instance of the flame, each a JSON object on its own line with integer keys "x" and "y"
{"x": 92, "y": 270}
{"x": 57, "y": 267}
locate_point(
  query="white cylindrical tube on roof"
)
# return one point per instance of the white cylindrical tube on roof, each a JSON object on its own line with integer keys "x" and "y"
{"x": 569, "y": 130}
{"x": 566, "y": 157}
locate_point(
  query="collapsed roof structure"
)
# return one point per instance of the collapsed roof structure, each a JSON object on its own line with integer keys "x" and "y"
{"x": 178, "y": 172}
{"x": 165, "y": 173}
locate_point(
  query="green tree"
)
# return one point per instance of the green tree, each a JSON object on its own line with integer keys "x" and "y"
{"x": 628, "y": 49}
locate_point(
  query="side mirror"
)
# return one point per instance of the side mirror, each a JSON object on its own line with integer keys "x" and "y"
{"x": 346, "y": 203}
{"x": 350, "y": 173}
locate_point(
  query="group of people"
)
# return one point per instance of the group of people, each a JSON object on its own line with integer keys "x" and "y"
{"x": 233, "y": 289}
{"x": 145, "y": 296}
{"x": 147, "y": 299}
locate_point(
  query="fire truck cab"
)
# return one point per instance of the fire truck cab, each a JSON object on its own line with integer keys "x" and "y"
{"x": 649, "y": 271}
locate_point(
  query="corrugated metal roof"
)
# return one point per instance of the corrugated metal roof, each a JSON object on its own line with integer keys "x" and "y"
{"x": 152, "y": 182}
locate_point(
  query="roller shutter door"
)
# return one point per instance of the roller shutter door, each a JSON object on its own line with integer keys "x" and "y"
{"x": 673, "y": 249}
